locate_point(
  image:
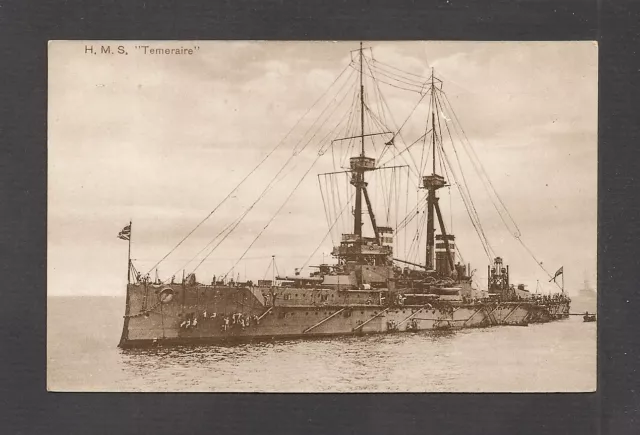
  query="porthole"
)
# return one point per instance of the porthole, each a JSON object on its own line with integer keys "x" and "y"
{"x": 166, "y": 295}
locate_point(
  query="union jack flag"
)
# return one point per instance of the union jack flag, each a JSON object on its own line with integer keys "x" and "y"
{"x": 557, "y": 274}
{"x": 125, "y": 233}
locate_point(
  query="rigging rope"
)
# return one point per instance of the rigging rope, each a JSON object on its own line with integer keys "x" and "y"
{"x": 424, "y": 136}
{"x": 489, "y": 187}
{"x": 251, "y": 172}
{"x": 377, "y": 96}
{"x": 324, "y": 204}
{"x": 355, "y": 67}
{"x": 269, "y": 267}
{"x": 423, "y": 78}
{"x": 327, "y": 233}
{"x": 398, "y": 78}
{"x": 467, "y": 200}
{"x": 272, "y": 182}
{"x": 398, "y": 82}
{"x": 319, "y": 154}
{"x": 487, "y": 184}
{"x": 384, "y": 101}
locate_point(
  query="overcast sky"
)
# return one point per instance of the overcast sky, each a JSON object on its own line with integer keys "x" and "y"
{"x": 162, "y": 139}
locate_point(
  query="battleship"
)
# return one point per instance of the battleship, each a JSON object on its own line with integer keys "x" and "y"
{"x": 367, "y": 288}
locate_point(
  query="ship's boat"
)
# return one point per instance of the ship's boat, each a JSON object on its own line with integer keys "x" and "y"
{"x": 368, "y": 288}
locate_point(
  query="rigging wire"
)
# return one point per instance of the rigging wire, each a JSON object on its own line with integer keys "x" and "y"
{"x": 383, "y": 187}
{"x": 424, "y": 142}
{"x": 326, "y": 234}
{"x": 412, "y": 214}
{"x": 398, "y": 74}
{"x": 399, "y": 133}
{"x": 398, "y": 79}
{"x": 406, "y": 208}
{"x": 334, "y": 183}
{"x": 381, "y": 113}
{"x": 398, "y": 69}
{"x": 490, "y": 188}
{"x": 319, "y": 154}
{"x": 251, "y": 172}
{"x": 355, "y": 67}
{"x": 350, "y": 126}
{"x": 392, "y": 142}
{"x": 269, "y": 267}
{"x": 324, "y": 204}
{"x": 269, "y": 186}
{"x": 275, "y": 265}
{"x": 466, "y": 197}
{"x": 407, "y": 149}
{"x": 271, "y": 183}
{"x": 206, "y": 246}
{"x": 276, "y": 214}
{"x": 417, "y": 240}
{"x": 377, "y": 95}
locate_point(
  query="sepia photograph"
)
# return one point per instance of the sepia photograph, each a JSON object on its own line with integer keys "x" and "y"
{"x": 322, "y": 216}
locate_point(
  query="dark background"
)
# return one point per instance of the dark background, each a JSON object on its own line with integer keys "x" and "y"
{"x": 26, "y": 407}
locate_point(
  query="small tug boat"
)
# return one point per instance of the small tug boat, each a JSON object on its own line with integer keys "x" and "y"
{"x": 589, "y": 317}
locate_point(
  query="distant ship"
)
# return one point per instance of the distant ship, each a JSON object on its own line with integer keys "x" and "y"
{"x": 587, "y": 292}
{"x": 587, "y": 298}
{"x": 368, "y": 289}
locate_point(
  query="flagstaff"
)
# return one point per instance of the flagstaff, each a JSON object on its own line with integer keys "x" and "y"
{"x": 125, "y": 234}
{"x": 129, "y": 256}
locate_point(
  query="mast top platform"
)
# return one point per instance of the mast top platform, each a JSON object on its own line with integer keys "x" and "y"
{"x": 433, "y": 181}
{"x": 362, "y": 163}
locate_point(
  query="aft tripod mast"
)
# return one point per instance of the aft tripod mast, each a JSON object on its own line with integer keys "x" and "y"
{"x": 432, "y": 183}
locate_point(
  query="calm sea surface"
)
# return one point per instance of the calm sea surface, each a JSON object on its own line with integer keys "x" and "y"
{"x": 82, "y": 356}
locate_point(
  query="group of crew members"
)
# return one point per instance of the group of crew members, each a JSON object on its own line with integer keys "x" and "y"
{"x": 552, "y": 298}
{"x": 538, "y": 299}
{"x": 228, "y": 321}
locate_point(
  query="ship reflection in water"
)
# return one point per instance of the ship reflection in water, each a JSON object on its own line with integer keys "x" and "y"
{"x": 558, "y": 356}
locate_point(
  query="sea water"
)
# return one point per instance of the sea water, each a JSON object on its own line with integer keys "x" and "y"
{"x": 82, "y": 355}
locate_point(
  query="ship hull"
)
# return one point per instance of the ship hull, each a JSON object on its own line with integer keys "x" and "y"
{"x": 220, "y": 317}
